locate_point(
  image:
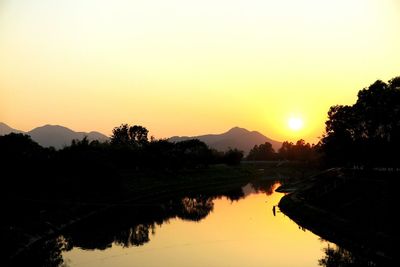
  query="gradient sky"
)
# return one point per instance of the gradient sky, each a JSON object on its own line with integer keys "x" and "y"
{"x": 183, "y": 67}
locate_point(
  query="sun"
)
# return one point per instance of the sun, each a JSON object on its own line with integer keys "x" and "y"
{"x": 295, "y": 123}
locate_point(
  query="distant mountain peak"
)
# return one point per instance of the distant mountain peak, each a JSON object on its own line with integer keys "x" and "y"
{"x": 54, "y": 135}
{"x": 235, "y": 137}
{"x": 5, "y": 129}
{"x": 59, "y": 136}
{"x": 94, "y": 132}
{"x": 52, "y": 127}
{"x": 237, "y": 129}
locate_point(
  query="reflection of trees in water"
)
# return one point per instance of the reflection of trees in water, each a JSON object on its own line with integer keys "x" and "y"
{"x": 195, "y": 209}
{"x": 266, "y": 186}
{"x": 131, "y": 225}
{"x": 134, "y": 236}
{"x": 235, "y": 194}
{"x": 339, "y": 257}
{"x": 48, "y": 254}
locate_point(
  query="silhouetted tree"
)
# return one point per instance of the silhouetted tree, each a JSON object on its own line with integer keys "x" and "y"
{"x": 368, "y": 132}
{"x": 138, "y": 134}
{"x": 21, "y": 158}
{"x": 195, "y": 209}
{"x": 129, "y": 135}
{"x": 338, "y": 256}
{"x": 120, "y": 135}
{"x": 233, "y": 156}
{"x": 134, "y": 236}
{"x": 262, "y": 152}
{"x": 19, "y": 146}
{"x": 193, "y": 153}
{"x": 160, "y": 155}
{"x": 301, "y": 151}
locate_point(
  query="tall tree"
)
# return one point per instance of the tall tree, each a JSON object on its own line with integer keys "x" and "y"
{"x": 368, "y": 132}
{"x": 262, "y": 152}
{"x": 301, "y": 151}
{"x": 129, "y": 135}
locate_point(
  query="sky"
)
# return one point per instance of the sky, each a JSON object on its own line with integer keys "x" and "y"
{"x": 183, "y": 67}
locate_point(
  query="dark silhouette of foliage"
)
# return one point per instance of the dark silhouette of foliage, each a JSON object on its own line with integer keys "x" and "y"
{"x": 160, "y": 155}
{"x": 135, "y": 236}
{"x": 129, "y": 135}
{"x": 18, "y": 146}
{"x": 120, "y": 135}
{"x": 195, "y": 209}
{"x": 89, "y": 168}
{"x": 193, "y": 153}
{"x": 300, "y": 151}
{"x": 368, "y": 132}
{"x": 232, "y": 157}
{"x": 138, "y": 134}
{"x": 20, "y": 158}
{"x": 337, "y": 256}
{"x": 262, "y": 152}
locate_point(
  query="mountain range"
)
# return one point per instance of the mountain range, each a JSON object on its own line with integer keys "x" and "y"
{"x": 59, "y": 136}
{"x": 54, "y": 135}
{"x": 236, "y": 137}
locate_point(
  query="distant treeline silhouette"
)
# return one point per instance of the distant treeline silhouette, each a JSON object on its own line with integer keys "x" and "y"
{"x": 300, "y": 151}
{"x": 92, "y": 166}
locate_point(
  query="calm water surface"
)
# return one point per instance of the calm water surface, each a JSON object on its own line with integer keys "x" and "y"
{"x": 225, "y": 232}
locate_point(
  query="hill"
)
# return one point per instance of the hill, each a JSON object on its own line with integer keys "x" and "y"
{"x": 53, "y": 135}
{"x": 236, "y": 137}
{"x": 59, "y": 136}
{"x": 5, "y": 129}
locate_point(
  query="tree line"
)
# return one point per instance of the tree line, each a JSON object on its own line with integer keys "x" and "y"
{"x": 299, "y": 151}
{"x": 89, "y": 167}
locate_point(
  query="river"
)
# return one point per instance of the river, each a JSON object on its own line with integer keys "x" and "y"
{"x": 243, "y": 230}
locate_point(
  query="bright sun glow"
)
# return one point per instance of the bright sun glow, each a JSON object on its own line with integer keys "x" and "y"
{"x": 295, "y": 123}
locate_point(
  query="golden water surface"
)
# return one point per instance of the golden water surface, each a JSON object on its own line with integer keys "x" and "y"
{"x": 236, "y": 233}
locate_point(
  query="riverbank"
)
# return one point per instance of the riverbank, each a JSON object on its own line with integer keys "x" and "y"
{"x": 350, "y": 208}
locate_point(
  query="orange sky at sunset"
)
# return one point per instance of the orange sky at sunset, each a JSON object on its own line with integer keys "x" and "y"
{"x": 184, "y": 67}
